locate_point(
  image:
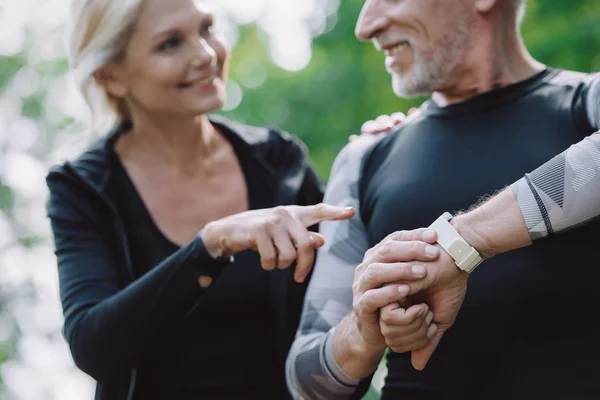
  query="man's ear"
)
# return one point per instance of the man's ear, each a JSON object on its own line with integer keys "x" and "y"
{"x": 485, "y": 6}
{"x": 108, "y": 77}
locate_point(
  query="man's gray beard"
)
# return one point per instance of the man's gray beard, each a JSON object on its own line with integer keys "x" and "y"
{"x": 432, "y": 66}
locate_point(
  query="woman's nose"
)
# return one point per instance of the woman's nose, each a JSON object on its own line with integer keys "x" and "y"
{"x": 203, "y": 53}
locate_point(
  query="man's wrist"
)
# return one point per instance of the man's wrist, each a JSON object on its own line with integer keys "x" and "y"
{"x": 467, "y": 227}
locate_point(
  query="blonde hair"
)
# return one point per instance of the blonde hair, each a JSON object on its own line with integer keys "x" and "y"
{"x": 99, "y": 33}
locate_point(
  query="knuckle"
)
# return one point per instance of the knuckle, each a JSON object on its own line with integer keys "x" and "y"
{"x": 356, "y": 305}
{"x": 360, "y": 267}
{"x": 286, "y": 259}
{"x": 414, "y": 317}
{"x": 359, "y": 305}
{"x": 371, "y": 273}
{"x": 280, "y": 211}
{"x": 268, "y": 259}
{"x": 320, "y": 208}
{"x": 304, "y": 244}
{"x": 365, "y": 300}
{"x": 399, "y": 235}
{"x": 272, "y": 221}
{"x": 386, "y": 318}
{"x": 395, "y": 348}
{"x": 283, "y": 213}
{"x": 388, "y": 341}
{"x": 403, "y": 269}
{"x": 385, "y": 249}
{"x": 368, "y": 255}
{"x": 415, "y": 248}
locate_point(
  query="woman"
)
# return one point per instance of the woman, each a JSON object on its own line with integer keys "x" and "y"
{"x": 146, "y": 221}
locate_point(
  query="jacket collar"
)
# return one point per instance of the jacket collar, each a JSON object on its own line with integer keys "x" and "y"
{"x": 92, "y": 168}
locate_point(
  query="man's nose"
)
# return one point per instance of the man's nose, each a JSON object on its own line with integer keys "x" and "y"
{"x": 372, "y": 20}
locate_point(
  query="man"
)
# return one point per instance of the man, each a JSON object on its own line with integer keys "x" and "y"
{"x": 495, "y": 113}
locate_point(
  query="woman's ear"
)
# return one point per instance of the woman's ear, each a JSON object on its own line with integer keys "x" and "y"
{"x": 108, "y": 78}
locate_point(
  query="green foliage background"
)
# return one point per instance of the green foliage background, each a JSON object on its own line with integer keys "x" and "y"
{"x": 344, "y": 85}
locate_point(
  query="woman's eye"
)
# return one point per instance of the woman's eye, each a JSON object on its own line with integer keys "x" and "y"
{"x": 169, "y": 44}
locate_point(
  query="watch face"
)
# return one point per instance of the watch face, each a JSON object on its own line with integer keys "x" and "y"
{"x": 459, "y": 250}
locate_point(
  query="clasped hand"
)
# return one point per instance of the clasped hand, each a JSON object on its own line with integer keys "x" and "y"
{"x": 407, "y": 292}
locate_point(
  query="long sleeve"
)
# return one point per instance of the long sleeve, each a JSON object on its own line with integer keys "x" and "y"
{"x": 311, "y": 370}
{"x": 564, "y": 192}
{"x": 109, "y": 327}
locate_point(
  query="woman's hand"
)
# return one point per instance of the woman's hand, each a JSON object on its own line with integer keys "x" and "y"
{"x": 383, "y": 123}
{"x": 279, "y": 234}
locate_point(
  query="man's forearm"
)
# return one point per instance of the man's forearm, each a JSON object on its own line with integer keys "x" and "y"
{"x": 560, "y": 195}
{"x": 495, "y": 227}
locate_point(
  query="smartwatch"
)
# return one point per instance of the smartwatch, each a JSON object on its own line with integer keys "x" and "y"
{"x": 465, "y": 256}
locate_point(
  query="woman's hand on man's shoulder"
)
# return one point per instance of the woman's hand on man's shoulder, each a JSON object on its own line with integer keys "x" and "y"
{"x": 384, "y": 123}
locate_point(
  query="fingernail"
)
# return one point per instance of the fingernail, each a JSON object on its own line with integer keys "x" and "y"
{"x": 432, "y": 251}
{"x": 418, "y": 270}
{"x": 431, "y": 332}
{"x": 403, "y": 290}
{"x": 348, "y": 208}
{"x": 205, "y": 281}
{"x": 428, "y": 235}
{"x": 299, "y": 278}
{"x": 429, "y": 318}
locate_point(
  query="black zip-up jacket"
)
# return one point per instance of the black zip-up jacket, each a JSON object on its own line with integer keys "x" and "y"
{"x": 112, "y": 318}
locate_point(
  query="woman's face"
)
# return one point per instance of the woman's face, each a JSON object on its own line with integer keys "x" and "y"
{"x": 174, "y": 63}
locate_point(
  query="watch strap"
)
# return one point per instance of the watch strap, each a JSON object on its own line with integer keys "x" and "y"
{"x": 465, "y": 256}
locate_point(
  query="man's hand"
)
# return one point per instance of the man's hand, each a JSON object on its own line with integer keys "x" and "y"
{"x": 379, "y": 281}
{"x": 444, "y": 293}
{"x": 443, "y": 289}
{"x": 406, "y": 329}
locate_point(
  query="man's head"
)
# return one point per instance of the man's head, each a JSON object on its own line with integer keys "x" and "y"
{"x": 425, "y": 40}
